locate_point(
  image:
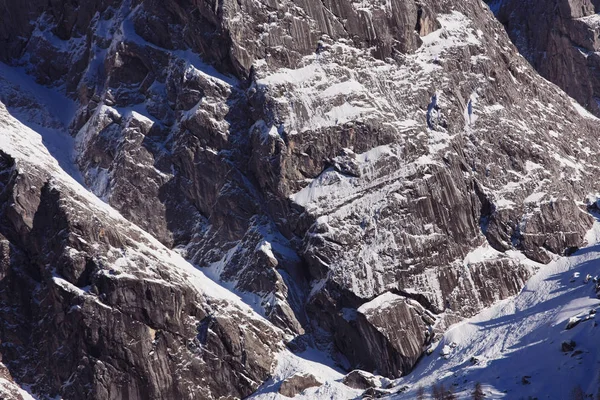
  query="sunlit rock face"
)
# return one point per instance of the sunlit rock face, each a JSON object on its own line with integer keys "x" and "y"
{"x": 359, "y": 174}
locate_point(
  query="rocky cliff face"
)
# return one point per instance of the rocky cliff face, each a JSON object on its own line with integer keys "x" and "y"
{"x": 361, "y": 174}
{"x": 560, "y": 39}
{"x": 96, "y": 308}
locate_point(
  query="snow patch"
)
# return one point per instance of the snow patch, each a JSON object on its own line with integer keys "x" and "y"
{"x": 582, "y": 111}
{"x": 380, "y": 302}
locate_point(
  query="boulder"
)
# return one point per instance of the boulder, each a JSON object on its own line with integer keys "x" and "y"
{"x": 297, "y": 383}
{"x": 361, "y": 380}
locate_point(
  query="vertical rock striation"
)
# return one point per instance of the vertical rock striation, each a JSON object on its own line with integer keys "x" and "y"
{"x": 361, "y": 174}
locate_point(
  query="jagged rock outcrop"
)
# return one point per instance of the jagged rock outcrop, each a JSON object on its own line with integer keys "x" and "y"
{"x": 396, "y": 328}
{"x": 296, "y": 384}
{"x": 361, "y": 380}
{"x": 560, "y": 39}
{"x": 95, "y": 308}
{"x": 422, "y": 199}
{"x": 314, "y": 157}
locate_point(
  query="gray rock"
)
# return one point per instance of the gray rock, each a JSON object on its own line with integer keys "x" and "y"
{"x": 93, "y": 301}
{"x": 294, "y": 151}
{"x": 296, "y": 384}
{"x": 563, "y": 46}
{"x": 567, "y": 347}
{"x": 360, "y": 380}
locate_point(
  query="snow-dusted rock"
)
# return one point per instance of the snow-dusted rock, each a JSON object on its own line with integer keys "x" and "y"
{"x": 297, "y": 384}
{"x": 9, "y": 389}
{"x": 96, "y": 308}
{"x": 358, "y": 379}
{"x": 361, "y": 174}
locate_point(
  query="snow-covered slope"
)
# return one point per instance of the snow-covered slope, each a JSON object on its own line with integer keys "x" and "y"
{"x": 309, "y": 362}
{"x": 515, "y": 348}
{"x": 9, "y": 389}
{"x": 519, "y": 348}
{"x": 46, "y": 111}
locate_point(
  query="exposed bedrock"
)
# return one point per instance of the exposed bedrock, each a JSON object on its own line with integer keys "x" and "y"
{"x": 362, "y": 174}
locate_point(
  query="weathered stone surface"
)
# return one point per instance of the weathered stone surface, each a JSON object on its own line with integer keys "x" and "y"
{"x": 397, "y": 328}
{"x": 361, "y": 380}
{"x": 311, "y": 156}
{"x": 563, "y": 46}
{"x": 123, "y": 317}
{"x": 296, "y": 384}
